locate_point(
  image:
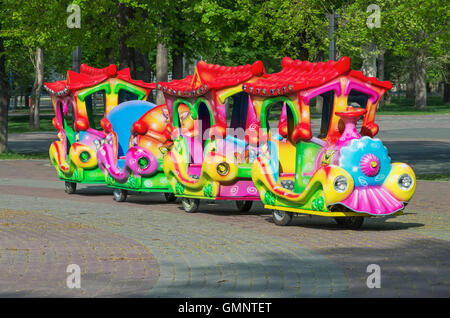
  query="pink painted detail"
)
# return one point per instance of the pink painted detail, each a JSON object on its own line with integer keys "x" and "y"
{"x": 195, "y": 169}
{"x": 240, "y": 198}
{"x": 336, "y": 86}
{"x": 106, "y": 158}
{"x": 370, "y": 165}
{"x": 350, "y": 119}
{"x": 252, "y": 119}
{"x": 374, "y": 200}
{"x": 362, "y": 88}
{"x": 286, "y": 174}
{"x": 98, "y": 134}
{"x": 242, "y": 188}
{"x": 195, "y": 149}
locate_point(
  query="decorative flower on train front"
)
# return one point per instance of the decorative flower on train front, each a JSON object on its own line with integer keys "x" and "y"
{"x": 366, "y": 160}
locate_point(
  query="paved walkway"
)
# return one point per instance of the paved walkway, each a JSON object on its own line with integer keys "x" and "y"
{"x": 145, "y": 247}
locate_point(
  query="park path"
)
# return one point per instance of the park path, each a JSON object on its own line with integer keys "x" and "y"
{"x": 148, "y": 248}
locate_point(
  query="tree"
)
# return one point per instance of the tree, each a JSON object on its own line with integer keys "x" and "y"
{"x": 408, "y": 29}
{"x": 4, "y": 95}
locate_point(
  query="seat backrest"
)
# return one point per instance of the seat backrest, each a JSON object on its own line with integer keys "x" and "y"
{"x": 122, "y": 118}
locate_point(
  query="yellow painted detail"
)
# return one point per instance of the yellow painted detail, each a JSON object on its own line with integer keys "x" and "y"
{"x": 391, "y": 182}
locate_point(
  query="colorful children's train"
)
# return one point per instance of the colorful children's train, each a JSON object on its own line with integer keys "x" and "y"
{"x": 234, "y": 133}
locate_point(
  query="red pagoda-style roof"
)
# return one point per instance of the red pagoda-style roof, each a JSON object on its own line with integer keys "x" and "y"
{"x": 299, "y": 75}
{"x": 372, "y": 80}
{"x": 57, "y": 88}
{"x": 211, "y": 76}
{"x": 91, "y": 76}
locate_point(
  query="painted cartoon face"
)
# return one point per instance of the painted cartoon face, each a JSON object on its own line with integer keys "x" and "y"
{"x": 186, "y": 121}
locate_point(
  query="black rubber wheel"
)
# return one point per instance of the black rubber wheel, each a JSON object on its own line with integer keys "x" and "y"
{"x": 170, "y": 197}
{"x": 340, "y": 220}
{"x": 353, "y": 222}
{"x": 70, "y": 187}
{"x": 244, "y": 206}
{"x": 282, "y": 218}
{"x": 120, "y": 195}
{"x": 190, "y": 205}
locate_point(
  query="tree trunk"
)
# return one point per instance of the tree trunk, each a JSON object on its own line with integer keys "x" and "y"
{"x": 161, "y": 70}
{"x": 177, "y": 65}
{"x": 37, "y": 87}
{"x": 369, "y": 66}
{"x": 76, "y": 59}
{"x": 4, "y": 99}
{"x": 410, "y": 86}
{"x": 319, "y": 104}
{"x": 143, "y": 67}
{"x": 380, "y": 76}
{"x": 126, "y": 54}
{"x": 420, "y": 83}
{"x": 446, "y": 92}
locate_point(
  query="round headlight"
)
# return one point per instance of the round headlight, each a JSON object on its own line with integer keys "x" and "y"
{"x": 405, "y": 182}
{"x": 340, "y": 184}
{"x": 223, "y": 168}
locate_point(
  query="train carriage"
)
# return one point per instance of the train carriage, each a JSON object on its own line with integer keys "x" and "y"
{"x": 342, "y": 172}
{"x": 131, "y": 154}
{"x": 74, "y": 155}
{"x": 212, "y": 160}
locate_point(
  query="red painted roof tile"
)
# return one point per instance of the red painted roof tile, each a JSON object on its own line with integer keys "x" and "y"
{"x": 57, "y": 88}
{"x": 211, "y": 76}
{"x": 297, "y": 75}
{"x": 91, "y": 76}
{"x": 372, "y": 80}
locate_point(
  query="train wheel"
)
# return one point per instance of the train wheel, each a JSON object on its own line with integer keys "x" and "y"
{"x": 190, "y": 205}
{"x": 244, "y": 206}
{"x": 282, "y": 218}
{"x": 70, "y": 187}
{"x": 170, "y": 197}
{"x": 353, "y": 222}
{"x": 120, "y": 195}
{"x": 340, "y": 220}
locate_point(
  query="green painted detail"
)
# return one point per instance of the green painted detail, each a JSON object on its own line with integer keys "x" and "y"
{"x": 318, "y": 204}
{"x": 194, "y": 110}
{"x": 269, "y": 198}
{"x": 245, "y": 171}
{"x": 179, "y": 188}
{"x": 110, "y": 180}
{"x": 208, "y": 190}
{"x": 131, "y": 89}
{"x": 85, "y": 156}
{"x": 306, "y": 153}
{"x": 77, "y": 174}
{"x": 266, "y": 106}
{"x": 105, "y": 86}
{"x": 134, "y": 182}
{"x": 143, "y": 162}
{"x": 178, "y": 101}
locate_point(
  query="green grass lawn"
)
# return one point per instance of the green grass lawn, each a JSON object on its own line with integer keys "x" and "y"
{"x": 19, "y": 124}
{"x": 10, "y": 155}
{"x": 405, "y": 106}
